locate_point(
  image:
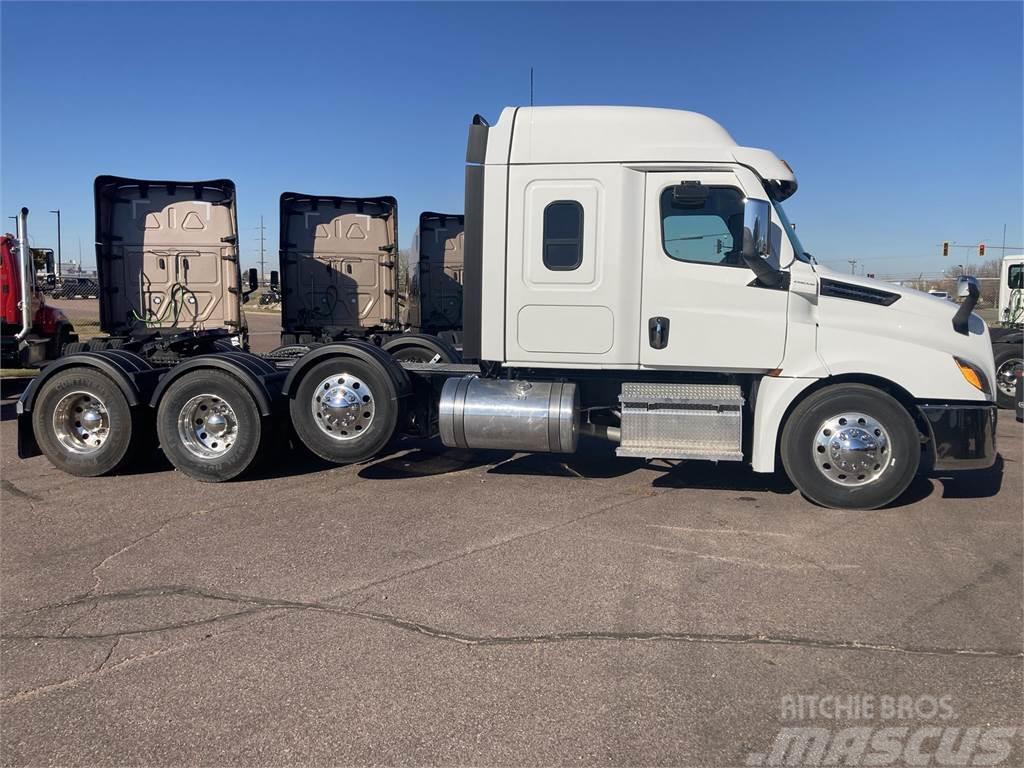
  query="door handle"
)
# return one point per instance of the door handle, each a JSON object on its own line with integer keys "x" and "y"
{"x": 657, "y": 329}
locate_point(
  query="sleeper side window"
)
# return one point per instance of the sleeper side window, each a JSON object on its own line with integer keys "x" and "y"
{"x": 708, "y": 231}
{"x": 563, "y": 235}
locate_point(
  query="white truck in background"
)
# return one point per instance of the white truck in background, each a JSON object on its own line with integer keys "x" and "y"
{"x": 630, "y": 274}
{"x": 1008, "y": 335}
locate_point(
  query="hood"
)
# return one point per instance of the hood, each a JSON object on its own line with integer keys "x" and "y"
{"x": 869, "y": 323}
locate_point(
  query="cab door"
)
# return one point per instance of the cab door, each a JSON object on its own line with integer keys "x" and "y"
{"x": 700, "y": 305}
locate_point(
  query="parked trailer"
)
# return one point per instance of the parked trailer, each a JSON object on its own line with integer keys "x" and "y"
{"x": 639, "y": 283}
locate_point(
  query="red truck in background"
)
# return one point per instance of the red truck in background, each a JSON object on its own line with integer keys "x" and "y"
{"x": 31, "y": 332}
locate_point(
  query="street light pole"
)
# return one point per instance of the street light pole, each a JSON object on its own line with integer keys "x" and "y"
{"x": 58, "y": 241}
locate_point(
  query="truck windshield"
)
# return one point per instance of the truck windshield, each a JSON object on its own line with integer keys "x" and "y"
{"x": 798, "y": 249}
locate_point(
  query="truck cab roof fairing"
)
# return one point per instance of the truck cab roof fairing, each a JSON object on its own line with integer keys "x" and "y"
{"x": 626, "y": 135}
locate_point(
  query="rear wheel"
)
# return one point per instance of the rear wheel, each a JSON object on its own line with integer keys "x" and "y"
{"x": 343, "y": 410}
{"x": 83, "y": 423}
{"x": 210, "y": 426}
{"x": 1008, "y": 361}
{"x": 851, "y": 446}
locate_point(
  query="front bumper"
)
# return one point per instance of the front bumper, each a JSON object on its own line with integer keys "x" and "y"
{"x": 962, "y": 436}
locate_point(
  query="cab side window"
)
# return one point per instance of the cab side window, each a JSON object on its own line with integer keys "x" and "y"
{"x": 563, "y": 235}
{"x": 708, "y": 231}
{"x": 1015, "y": 277}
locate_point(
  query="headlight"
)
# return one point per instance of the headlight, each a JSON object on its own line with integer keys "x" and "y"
{"x": 974, "y": 375}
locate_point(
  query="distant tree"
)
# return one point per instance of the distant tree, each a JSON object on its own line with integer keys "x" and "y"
{"x": 404, "y": 257}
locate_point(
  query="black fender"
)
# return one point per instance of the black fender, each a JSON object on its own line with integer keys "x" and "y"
{"x": 353, "y": 348}
{"x": 1007, "y": 336}
{"x": 260, "y": 378}
{"x": 132, "y": 374}
{"x": 435, "y": 344}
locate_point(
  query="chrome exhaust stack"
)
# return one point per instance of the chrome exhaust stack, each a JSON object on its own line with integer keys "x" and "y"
{"x": 27, "y": 268}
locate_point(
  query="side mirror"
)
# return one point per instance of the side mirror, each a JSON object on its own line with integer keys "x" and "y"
{"x": 964, "y": 283}
{"x": 756, "y": 249}
{"x": 254, "y": 279}
{"x": 274, "y": 279}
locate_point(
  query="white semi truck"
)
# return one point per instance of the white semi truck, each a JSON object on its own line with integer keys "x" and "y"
{"x": 1008, "y": 335}
{"x": 629, "y": 274}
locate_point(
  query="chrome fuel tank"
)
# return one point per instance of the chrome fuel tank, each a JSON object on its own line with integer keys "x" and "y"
{"x": 536, "y": 416}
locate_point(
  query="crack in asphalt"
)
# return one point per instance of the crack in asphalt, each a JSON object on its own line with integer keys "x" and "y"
{"x": 14, "y": 490}
{"x": 262, "y": 604}
{"x": 254, "y": 605}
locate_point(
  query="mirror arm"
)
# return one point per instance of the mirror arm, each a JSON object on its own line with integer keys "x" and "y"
{"x": 765, "y": 273}
{"x": 962, "y": 318}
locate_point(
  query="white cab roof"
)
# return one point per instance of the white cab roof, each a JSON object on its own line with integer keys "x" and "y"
{"x": 622, "y": 135}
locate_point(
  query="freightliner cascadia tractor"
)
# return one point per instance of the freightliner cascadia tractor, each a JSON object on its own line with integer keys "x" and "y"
{"x": 168, "y": 267}
{"x": 339, "y": 278}
{"x": 630, "y": 274}
{"x": 435, "y": 276}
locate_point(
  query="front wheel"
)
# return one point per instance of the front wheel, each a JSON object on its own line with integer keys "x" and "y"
{"x": 1008, "y": 361}
{"x": 851, "y": 446}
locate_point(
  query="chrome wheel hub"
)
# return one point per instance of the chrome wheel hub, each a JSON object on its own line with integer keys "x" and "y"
{"x": 342, "y": 406}
{"x": 1006, "y": 376}
{"x": 851, "y": 449}
{"x": 207, "y": 426}
{"x": 81, "y": 422}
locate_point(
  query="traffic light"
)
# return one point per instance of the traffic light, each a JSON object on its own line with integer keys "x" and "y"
{"x": 945, "y": 247}
{"x": 981, "y": 249}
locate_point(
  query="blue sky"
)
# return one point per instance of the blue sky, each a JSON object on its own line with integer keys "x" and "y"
{"x": 903, "y": 121}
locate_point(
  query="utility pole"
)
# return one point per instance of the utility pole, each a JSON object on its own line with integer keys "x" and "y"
{"x": 58, "y": 241}
{"x": 261, "y": 228}
{"x": 853, "y": 266}
{"x": 531, "y": 86}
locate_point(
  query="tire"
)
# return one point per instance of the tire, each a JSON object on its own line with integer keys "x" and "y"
{"x": 115, "y": 343}
{"x": 288, "y": 339}
{"x": 55, "y": 346}
{"x": 327, "y": 433}
{"x": 1008, "y": 357}
{"x": 90, "y": 447}
{"x": 73, "y": 347}
{"x": 826, "y": 472}
{"x": 421, "y": 349}
{"x": 191, "y": 446}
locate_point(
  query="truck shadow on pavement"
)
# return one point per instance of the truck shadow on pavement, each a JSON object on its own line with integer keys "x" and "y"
{"x": 597, "y": 460}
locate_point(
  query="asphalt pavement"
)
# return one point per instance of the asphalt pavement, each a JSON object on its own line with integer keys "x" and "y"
{"x": 441, "y": 607}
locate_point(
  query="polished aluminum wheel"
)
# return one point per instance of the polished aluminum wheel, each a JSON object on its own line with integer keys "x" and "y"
{"x": 342, "y": 406}
{"x": 207, "y": 426}
{"x": 1006, "y": 376}
{"x": 81, "y": 422}
{"x": 852, "y": 449}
